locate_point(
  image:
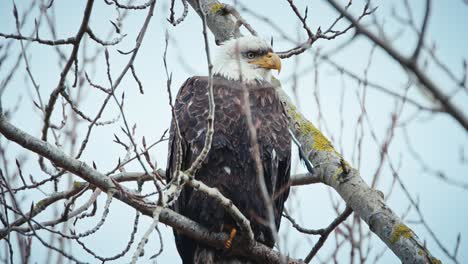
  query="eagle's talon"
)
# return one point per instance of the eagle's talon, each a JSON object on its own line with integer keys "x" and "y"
{"x": 228, "y": 242}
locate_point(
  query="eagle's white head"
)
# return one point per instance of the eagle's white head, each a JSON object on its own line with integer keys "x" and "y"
{"x": 250, "y": 58}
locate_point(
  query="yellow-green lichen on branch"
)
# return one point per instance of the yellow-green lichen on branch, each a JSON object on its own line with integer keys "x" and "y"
{"x": 400, "y": 230}
{"x": 40, "y": 205}
{"x": 216, "y": 7}
{"x": 338, "y": 171}
{"x": 320, "y": 142}
{"x": 77, "y": 184}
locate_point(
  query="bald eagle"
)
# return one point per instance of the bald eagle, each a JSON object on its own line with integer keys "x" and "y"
{"x": 230, "y": 165}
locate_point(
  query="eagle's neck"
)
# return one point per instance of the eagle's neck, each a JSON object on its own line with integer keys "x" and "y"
{"x": 237, "y": 70}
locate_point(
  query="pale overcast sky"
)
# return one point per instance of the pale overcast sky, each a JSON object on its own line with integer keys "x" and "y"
{"x": 439, "y": 140}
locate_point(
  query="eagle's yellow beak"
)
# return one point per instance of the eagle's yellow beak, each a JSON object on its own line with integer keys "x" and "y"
{"x": 269, "y": 61}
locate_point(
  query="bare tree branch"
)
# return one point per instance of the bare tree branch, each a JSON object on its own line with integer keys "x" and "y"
{"x": 408, "y": 63}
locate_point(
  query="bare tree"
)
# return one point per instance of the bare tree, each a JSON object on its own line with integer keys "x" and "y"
{"x": 50, "y": 197}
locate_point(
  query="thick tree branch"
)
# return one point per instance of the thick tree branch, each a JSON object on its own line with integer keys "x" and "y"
{"x": 221, "y": 24}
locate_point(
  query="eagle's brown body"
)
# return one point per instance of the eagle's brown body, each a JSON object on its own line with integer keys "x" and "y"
{"x": 230, "y": 166}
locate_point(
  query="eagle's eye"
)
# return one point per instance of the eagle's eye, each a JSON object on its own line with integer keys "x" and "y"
{"x": 250, "y": 55}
